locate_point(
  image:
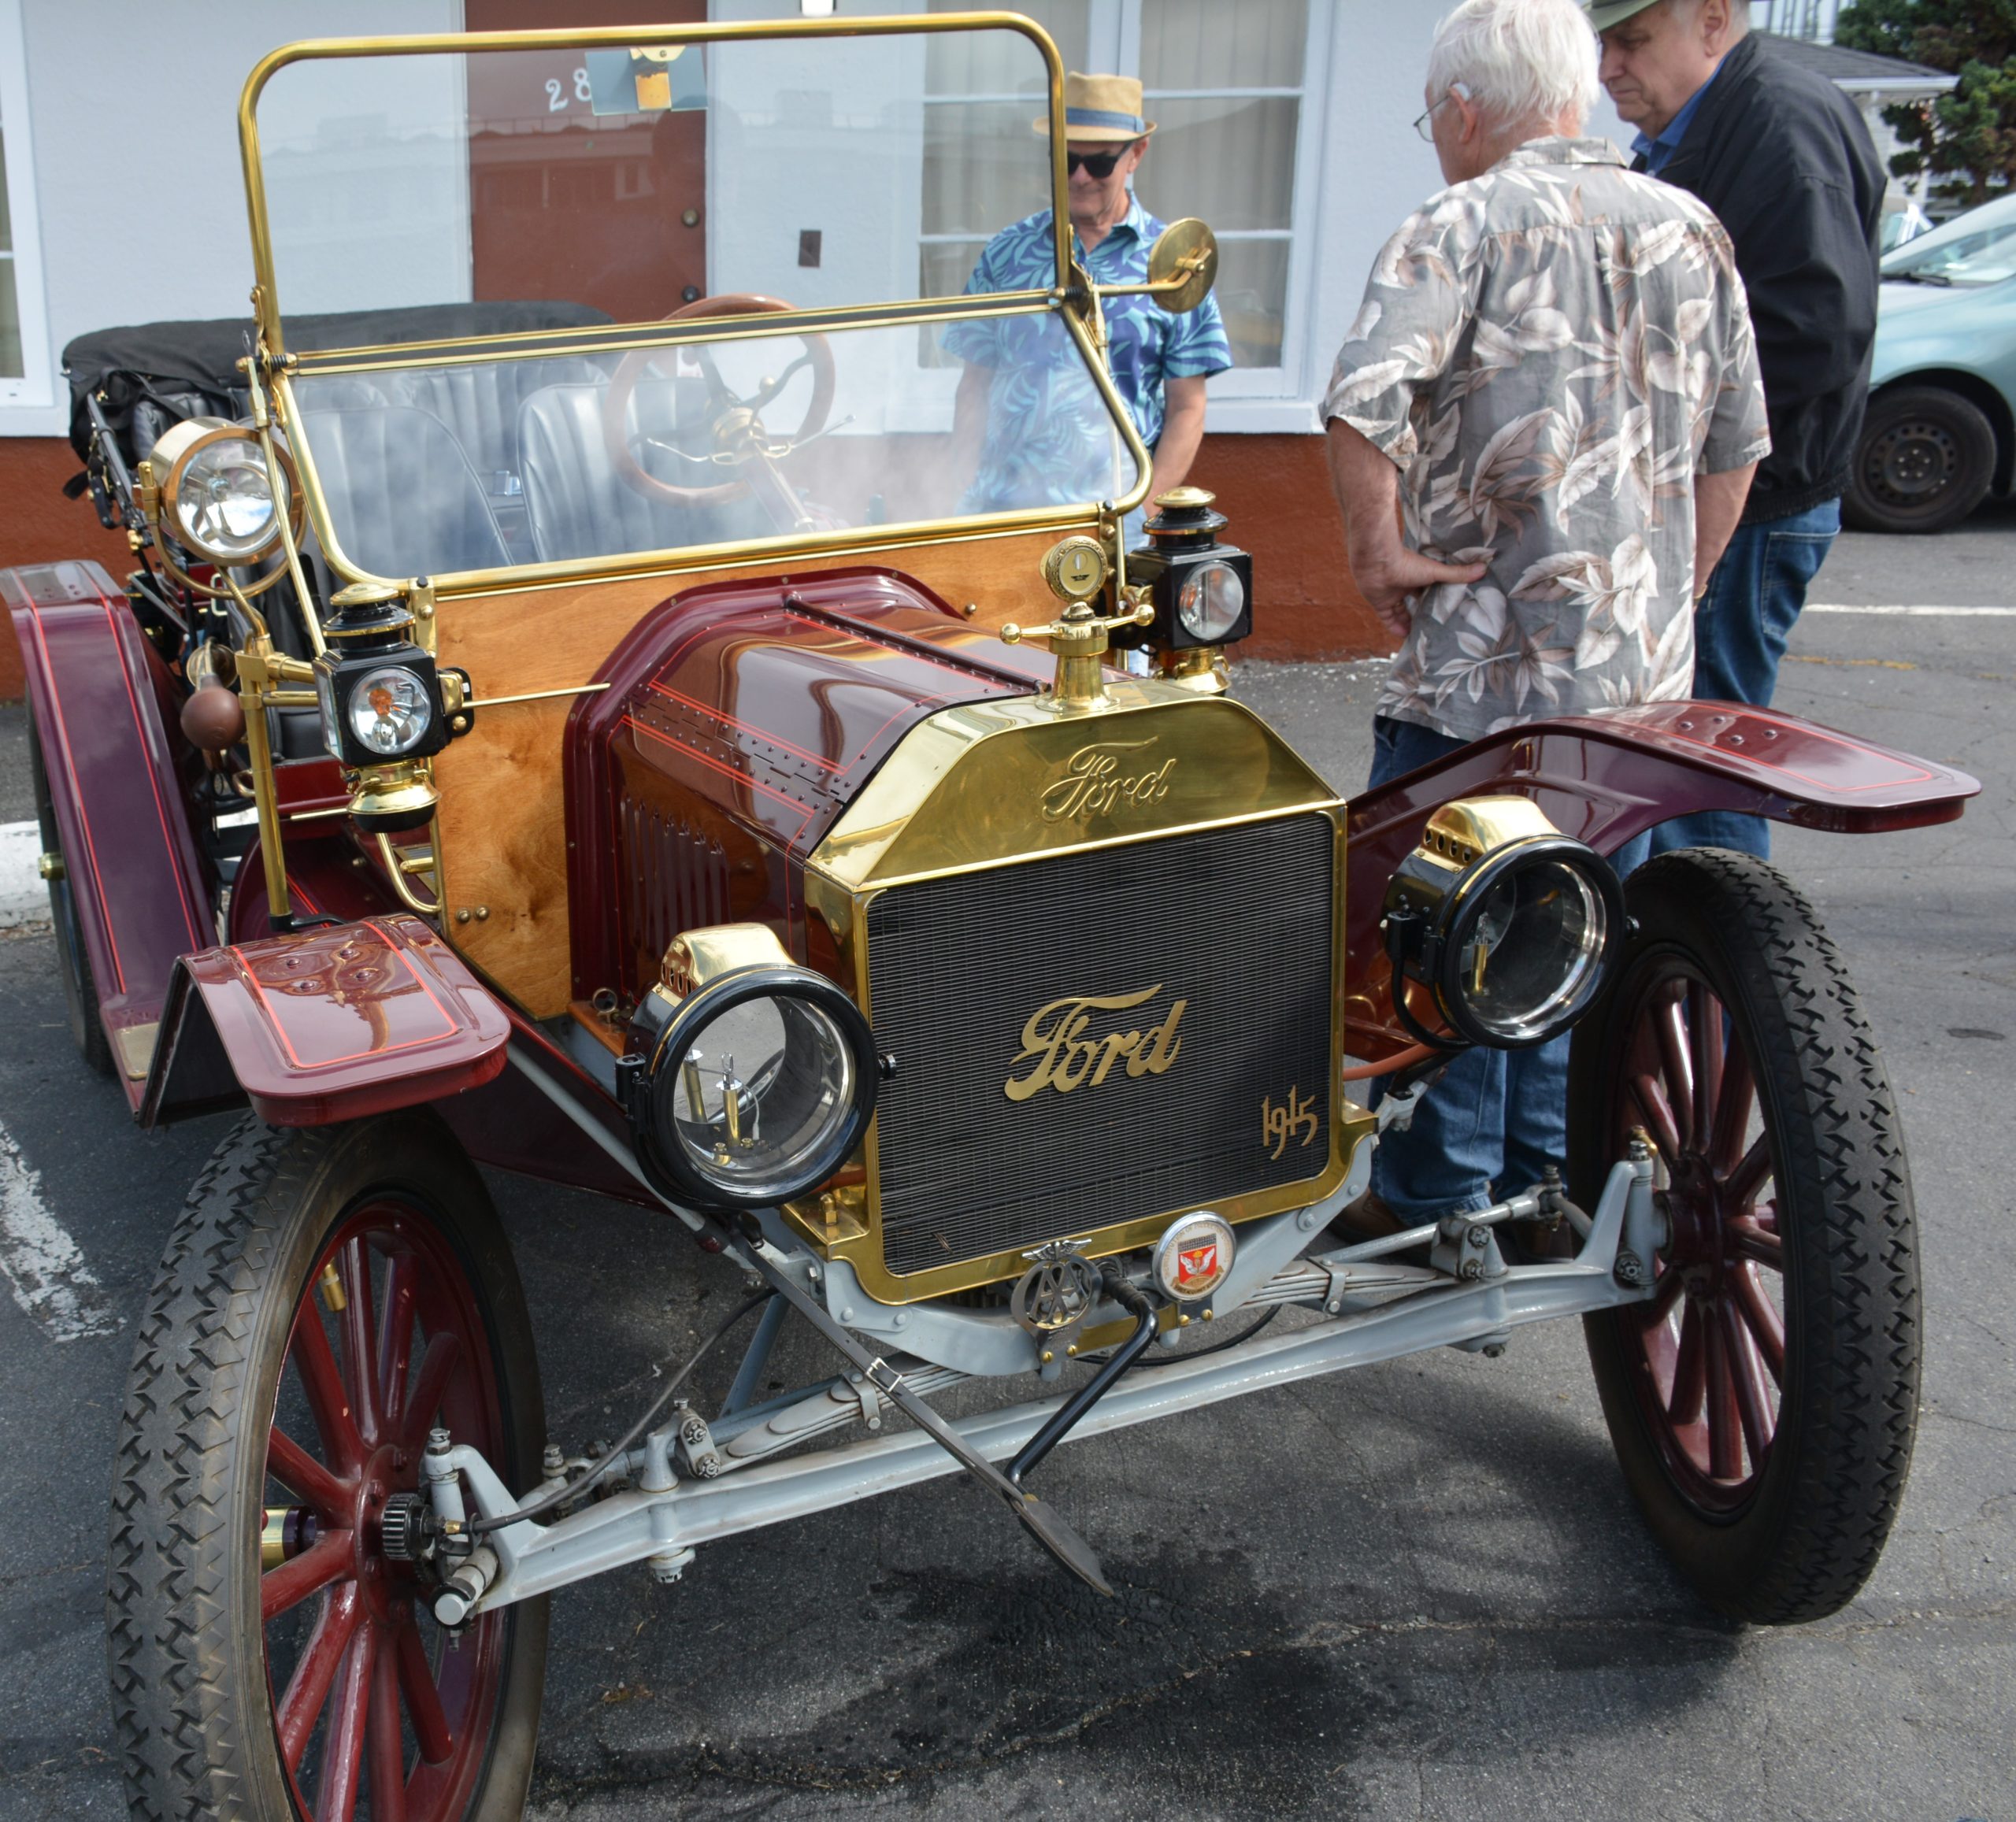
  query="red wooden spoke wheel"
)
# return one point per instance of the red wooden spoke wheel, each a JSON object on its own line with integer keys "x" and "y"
{"x": 328, "y": 1297}
{"x": 1712, "y": 1341}
{"x": 365, "y": 1686}
{"x": 1764, "y": 1398}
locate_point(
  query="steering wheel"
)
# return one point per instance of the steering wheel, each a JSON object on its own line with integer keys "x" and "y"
{"x": 738, "y": 423}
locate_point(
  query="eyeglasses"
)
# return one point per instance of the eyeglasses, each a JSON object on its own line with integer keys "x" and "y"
{"x": 1097, "y": 164}
{"x": 1424, "y": 123}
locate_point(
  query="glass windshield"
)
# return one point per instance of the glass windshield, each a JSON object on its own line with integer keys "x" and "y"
{"x": 1979, "y": 248}
{"x": 459, "y": 466}
{"x": 824, "y": 171}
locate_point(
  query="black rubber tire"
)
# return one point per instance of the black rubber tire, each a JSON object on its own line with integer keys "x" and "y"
{"x": 73, "y": 961}
{"x": 1926, "y": 459}
{"x": 190, "y": 1701}
{"x": 1812, "y": 1528}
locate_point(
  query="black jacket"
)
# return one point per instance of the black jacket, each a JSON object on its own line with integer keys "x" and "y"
{"x": 1784, "y": 161}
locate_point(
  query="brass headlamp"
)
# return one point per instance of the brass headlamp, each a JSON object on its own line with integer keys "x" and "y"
{"x": 1512, "y": 926}
{"x": 750, "y": 1080}
{"x": 206, "y": 485}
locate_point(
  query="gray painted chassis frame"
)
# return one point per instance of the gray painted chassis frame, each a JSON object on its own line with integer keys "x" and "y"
{"x": 1373, "y": 1310}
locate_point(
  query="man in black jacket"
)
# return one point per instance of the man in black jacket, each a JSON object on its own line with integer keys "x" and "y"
{"x": 1785, "y": 162}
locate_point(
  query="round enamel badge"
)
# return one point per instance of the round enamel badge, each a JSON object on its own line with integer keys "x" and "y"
{"x": 1193, "y": 1257}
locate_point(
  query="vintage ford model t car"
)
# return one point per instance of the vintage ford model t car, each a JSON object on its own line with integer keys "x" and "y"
{"x": 544, "y": 733}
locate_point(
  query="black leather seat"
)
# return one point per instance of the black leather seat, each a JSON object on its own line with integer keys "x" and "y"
{"x": 480, "y": 403}
{"x": 402, "y": 496}
{"x": 582, "y": 508}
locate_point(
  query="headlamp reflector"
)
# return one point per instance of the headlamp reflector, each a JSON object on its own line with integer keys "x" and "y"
{"x": 223, "y": 502}
{"x": 1211, "y": 602}
{"x": 219, "y": 501}
{"x": 1512, "y": 925}
{"x": 1527, "y": 950}
{"x": 390, "y": 710}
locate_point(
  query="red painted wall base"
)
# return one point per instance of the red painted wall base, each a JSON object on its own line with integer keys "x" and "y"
{"x": 38, "y": 525}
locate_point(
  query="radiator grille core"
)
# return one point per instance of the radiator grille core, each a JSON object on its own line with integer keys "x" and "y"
{"x": 1236, "y": 923}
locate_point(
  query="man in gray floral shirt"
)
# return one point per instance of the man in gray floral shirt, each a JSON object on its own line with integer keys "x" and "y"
{"x": 1553, "y": 380}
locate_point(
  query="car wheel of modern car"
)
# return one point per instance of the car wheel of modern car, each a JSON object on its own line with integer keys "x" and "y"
{"x": 1763, "y": 1402}
{"x": 1925, "y": 461}
{"x": 326, "y": 1297}
{"x": 73, "y": 963}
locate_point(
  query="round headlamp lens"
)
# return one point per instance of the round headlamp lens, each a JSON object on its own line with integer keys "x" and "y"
{"x": 224, "y": 504}
{"x": 1527, "y": 957}
{"x": 763, "y": 1097}
{"x": 390, "y": 711}
{"x": 1211, "y": 602}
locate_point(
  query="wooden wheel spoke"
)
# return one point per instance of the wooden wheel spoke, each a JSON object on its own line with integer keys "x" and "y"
{"x": 396, "y": 1339}
{"x": 306, "y": 1478}
{"x": 309, "y": 1687}
{"x": 1650, "y": 1096}
{"x": 430, "y": 1724}
{"x": 1750, "y": 1174}
{"x": 334, "y": 1421}
{"x": 358, "y": 1326}
{"x": 1683, "y": 1402}
{"x": 430, "y": 1386}
{"x": 388, "y": 1743}
{"x": 1705, "y": 1023}
{"x": 1675, "y": 1066}
{"x": 1664, "y": 1296}
{"x": 1766, "y": 1326}
{"x": 329, "y": 1557}
{"x": 1746, "y": 1372}
{"x": 1735, "y": 1097}
{"x": 1749, "y": 1240}
{"x": 1724, "y": 1421}
{"x": 343, "y": 1751}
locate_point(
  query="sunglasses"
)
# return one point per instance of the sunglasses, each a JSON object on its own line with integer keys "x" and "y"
{"x": 1097, "y": 164}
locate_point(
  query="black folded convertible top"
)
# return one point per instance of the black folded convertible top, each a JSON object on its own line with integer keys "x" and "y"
{"x": 172, "y": 360}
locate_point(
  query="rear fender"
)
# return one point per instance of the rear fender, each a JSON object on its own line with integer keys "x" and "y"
{"x": 331, "y": 1023}
{"x": 97, "y": 690}
{"x": 1605, "y": 778}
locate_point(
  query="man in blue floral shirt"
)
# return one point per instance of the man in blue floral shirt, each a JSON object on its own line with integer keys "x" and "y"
{"x": 1028, "y": 417}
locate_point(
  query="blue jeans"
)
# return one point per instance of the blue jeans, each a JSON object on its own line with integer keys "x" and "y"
{"x": 1497, "y": 1118}
{"x": 1740, "y": 633}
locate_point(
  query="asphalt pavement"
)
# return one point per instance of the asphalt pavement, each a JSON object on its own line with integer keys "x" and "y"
{"x": 1416, "y": 1590}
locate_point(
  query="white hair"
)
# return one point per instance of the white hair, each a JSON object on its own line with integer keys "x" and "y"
{"x": 1520, "y": 61}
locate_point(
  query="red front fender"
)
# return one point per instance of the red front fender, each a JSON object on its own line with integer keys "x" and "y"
{"x": 331, "y": 1023}
{"x": 141, "y": 889}
{"x": 1607, "y": 778}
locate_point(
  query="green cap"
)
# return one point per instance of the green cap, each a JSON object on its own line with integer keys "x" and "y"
{"x": 1605, "y": 13}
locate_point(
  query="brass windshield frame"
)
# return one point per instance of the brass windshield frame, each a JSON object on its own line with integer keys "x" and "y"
{"x": 1080, "y": 319}
{"x": 266, "y": 297}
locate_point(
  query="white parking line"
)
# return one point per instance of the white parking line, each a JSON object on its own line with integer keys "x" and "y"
{"x": 40, "y": 1261}
{"x": 24, "y": 899}
{"x": 1916, "y": 612}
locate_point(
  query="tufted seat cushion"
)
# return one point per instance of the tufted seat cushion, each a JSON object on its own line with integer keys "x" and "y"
{"x": 580, "y": 507}
{"x": 402, "y": 496}
{"x": 480, "y": 403}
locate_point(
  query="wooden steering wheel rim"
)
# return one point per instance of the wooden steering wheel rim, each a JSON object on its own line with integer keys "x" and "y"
{"x": 616, "y": 404}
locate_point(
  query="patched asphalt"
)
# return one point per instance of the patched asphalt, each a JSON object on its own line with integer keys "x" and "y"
{"x": 1418, "y": 1589}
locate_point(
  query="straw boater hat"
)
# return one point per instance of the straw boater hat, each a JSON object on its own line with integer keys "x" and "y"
{"x": 1105, "y": 108}
{"x": 1605, "y": 13}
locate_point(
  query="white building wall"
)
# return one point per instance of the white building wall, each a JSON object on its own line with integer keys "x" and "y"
{"x": 133, "y": 108}
{"x": 133, "y": 113}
